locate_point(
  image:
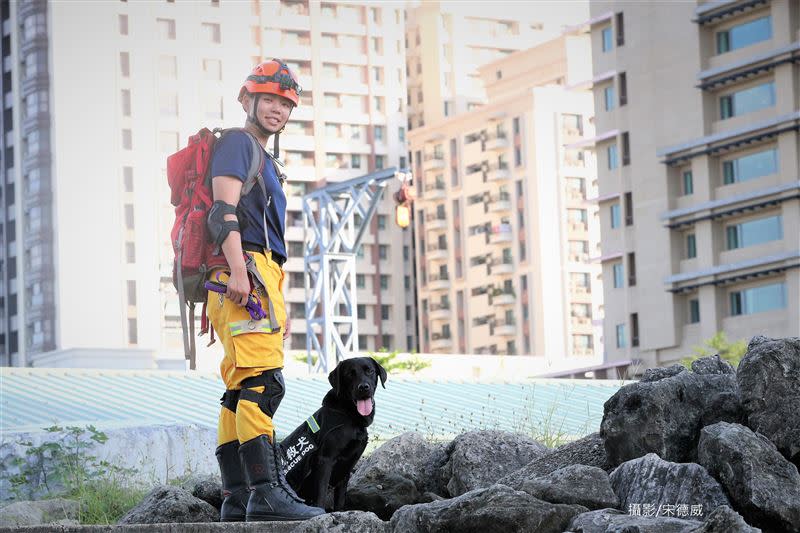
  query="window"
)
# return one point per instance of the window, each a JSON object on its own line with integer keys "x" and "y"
{"x": 608, "y": 94}
{"x": 168, "y": 141}
{"x": 611, "y": 153}
{"x": 383, "y": 251}
{"x": 361, "y": 311}
{"x": 620, "y": 25}
{"x": 747, "y": 100}
{"x": 127, "y": 141}
{"x": 211, "y": 32}
{"x": 517, "y": 156}
{"x": 621, "y": 336}
{"x": 754, "y": 232}
{"x": 615, "y": 216}
{"x": 212, "y": 105}
{"x": 619, "y": 275}
{"x": 629, "y": 209}
{"x": 361, "y": 281}
{"x": 694, "y": 311}
{"x": 132, "y": 333}
{"x": 381, "y": 221}
{"x": 401, "y": 133}
{"x": 687, "y": 182}
{"x": 631, "y": 269}
{"x": 758, "y": 299}
{"x": 634, "y": 329}
{"x": 212, "y": 69}
{"x": 515, "y": 125}
{"x": 127, "y": 178}
{"x": 750, "y": 167}
{"x": 745, "y": 34}
{"x": 691, "y": 246}
{"x": 606, "y": 37}
{"x": 626, "y": 149}
{"x": 126, "y": 102}
{"x": 168, "y": 67}
{"x": 384, "y": 282}
{"x": 130, "y": 252}
{"x": 623, "y": 89}
{"x": 131, "y": 291}
{"x": 378, "y": 130}
{"x": 355, "y": 160}
{"x": 125, "y": 64}
{"x": 129, "y": 217}
{"x": 123, "y": 24}
{"x": 168, "y": 104}
{"x": 379, "y": 162}
{"x": 384, "y": 312}
{"x": 166, "y": 28}
{"x": 296, "y": 279}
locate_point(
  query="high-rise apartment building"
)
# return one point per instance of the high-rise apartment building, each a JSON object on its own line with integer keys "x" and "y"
{"x": 97, "y": 94}
{"x": 446, "y": 42}
{"x": 698, "y": 152}
{"x": 504, "y": 233}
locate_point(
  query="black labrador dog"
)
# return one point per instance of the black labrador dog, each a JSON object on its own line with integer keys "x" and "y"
{"x": 322, "y": 451}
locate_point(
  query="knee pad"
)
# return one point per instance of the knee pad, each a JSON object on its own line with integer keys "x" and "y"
{"x": 274, "y": 389}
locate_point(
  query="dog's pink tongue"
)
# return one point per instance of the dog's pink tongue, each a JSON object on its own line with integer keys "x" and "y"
{"x": 364, "y": 407}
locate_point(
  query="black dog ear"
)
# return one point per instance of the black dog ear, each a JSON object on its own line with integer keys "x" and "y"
{"x": 333, "y": 379}
{"x": 381, "y": 372}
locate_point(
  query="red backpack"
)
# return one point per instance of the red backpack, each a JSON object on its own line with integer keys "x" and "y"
{"x": 195, "y": 255}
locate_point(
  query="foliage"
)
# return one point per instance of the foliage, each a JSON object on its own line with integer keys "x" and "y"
{"x": 413, "y": 364}
{"x": 730, "y": 351}
{"x": 65, "y": 467}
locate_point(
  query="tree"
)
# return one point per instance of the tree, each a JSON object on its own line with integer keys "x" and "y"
{"x": 730, "y": 351}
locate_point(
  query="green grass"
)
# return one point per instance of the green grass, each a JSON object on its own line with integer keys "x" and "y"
{"x": 105, "y": 501}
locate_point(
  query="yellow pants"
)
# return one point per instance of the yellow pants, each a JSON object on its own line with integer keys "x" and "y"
{"x": 251, "y": 347}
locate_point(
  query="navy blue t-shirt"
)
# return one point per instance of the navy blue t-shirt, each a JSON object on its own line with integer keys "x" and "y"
{"x": 231, "y": 157}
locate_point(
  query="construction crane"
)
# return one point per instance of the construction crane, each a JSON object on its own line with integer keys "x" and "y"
{"x": 332, "y": 240}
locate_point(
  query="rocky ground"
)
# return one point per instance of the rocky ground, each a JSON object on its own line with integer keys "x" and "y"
{"x": 711, "y": 449}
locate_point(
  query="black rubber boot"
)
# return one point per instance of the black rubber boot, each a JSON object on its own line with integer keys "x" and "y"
{"x": 271, "y": 498}
{"x": 234, "y": 485}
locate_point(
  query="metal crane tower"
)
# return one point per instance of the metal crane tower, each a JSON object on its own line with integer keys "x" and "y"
{"x": 331, "y": 243}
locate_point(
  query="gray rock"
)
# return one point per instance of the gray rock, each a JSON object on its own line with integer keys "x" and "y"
{"x": 343, "y": 522}
{"x": 762, "y": 485}
{"x": 40, "y": 512}
{"x": 578, "y": 484}
{"x": 614, "y": 521}
{"x": 495, "y": 508}
{"x": 659, "y": 373}
{"x": 588, "y": 451}
{"x": 712, "y": 365}
{"x": 665, "y": 416}
{"x": 168, "y": 504}
{"x": 723, "y": 519}
{"x": 652, "y": 480}
{"x": 207, "y": 488}
{"x": 382, "y": 493}
{"x": 405, "y": 461}
{"x": 479, "y": 458}
{"x": 769, "y": 378}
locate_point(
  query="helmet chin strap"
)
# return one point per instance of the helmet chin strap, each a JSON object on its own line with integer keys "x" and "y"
{"x": 253, "y": 119}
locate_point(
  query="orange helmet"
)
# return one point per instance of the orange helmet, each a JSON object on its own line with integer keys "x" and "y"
{"x": 272, "y": 77}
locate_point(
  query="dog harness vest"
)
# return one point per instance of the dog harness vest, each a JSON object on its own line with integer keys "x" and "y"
{"x": 308, "y": 437}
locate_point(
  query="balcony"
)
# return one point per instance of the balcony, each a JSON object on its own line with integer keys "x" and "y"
{"x": 501, "y": 234}
{"x": 497, "y": 142}
{"x": 579, "y": 290}
{"x": 436, "y": 252}
{"x": 433, "y": 162}
{"x": 581, "y": 257}
{"x": 441, "y": 341}
{"x": 582, "y": 322}
{"x": 439, "y": 282}
{"x": 502, "y": 297}
{"x": 440, "y": 311}
{"x": 498, "y": 172}
{"x": 578, "y": 226}
{"x": 293, "y": 19}
{"x": 287, "y": 52}
{"x": 435, "y": 191}
{"x": 502, "y": 265}
{"x": 341, "y": 54}
{"x": 500, "y": 203}
{"x": 435, "y": 222}
{"x": 505, "y": 328}
{"x": 576, "y": 195}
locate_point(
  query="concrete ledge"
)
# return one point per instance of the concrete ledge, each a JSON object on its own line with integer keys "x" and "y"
{"x": 208, "y": 527}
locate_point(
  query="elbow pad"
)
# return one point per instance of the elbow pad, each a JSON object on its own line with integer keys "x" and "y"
{"x": 218, "y": 227}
